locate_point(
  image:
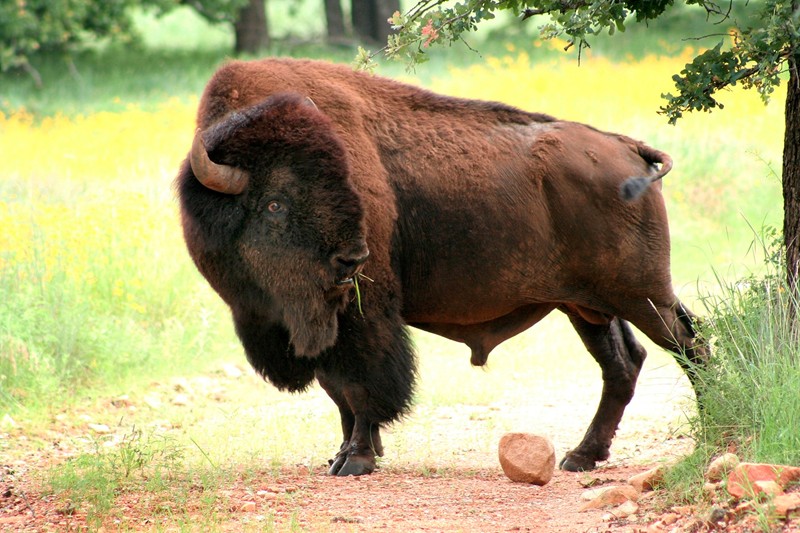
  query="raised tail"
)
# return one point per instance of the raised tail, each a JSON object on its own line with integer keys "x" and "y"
{"x": 633, "y": 188}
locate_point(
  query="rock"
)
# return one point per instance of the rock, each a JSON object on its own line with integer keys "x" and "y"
{"x": 770, "y": 488}
{"x": 647, "y": 480}
{"x": 180, "y": 400}
{"x": 527, "y": 458}
{"x": 152, "y": 401}
{"x": 182, "y": 385}
{"x": 787, "y": 503}
{"x": 100, "y": 429}
{"x": 626, "y": 509}
{"x": 611, "y": 496}
{"x": 232, "y": 371}
{"x": 742, "y": 480}
{"x": 670, "y": 518}
{"x": 716, "y": 514}
{"x": 721, "y": 467}
{"x": 248, "y": 507}
{"x": 7, "y": 422}
{"x": 711, "y": 488}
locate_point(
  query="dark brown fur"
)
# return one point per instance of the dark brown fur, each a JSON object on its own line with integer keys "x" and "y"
{"x": 480, "y": 219}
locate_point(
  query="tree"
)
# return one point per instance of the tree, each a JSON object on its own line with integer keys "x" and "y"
{"x": 334, "y": 20}
{"x": 28, "y": 27}
{"x": 371, "y": 18}
{"x": 250, "y": 28}
{"x": 757, "y": 57}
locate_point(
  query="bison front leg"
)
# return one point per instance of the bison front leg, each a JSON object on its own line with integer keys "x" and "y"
{"x": 620, "y": 357}
{"x": 362, "y": 440}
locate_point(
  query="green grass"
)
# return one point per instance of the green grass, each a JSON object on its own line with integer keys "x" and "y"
{"x": 753, "y": 381}
{"x": 750, "y": 387}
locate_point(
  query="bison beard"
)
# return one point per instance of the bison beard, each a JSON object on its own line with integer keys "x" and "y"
{"x": 297, "y": 195}
{"x": 307, "y": 311}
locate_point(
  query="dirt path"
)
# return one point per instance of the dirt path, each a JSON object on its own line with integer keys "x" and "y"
{"x": 268, "y": 450}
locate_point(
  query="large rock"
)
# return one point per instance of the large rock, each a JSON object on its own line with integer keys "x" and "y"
{"x": 527, "y": 458}
{"x": 751, "y": 479}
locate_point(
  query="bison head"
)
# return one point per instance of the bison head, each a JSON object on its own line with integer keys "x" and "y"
{"x": 281, "y": 173}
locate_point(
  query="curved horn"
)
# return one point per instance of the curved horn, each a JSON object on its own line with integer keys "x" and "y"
{"x": 220, "y": 178}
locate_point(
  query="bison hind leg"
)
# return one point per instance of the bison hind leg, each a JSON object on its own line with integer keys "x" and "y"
{"x": 620, "y": 357}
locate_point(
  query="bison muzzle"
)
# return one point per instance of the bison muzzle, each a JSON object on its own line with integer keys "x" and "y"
{"x": 469, "y": 219}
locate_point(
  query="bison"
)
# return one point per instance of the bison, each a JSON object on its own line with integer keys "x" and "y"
{"x": 331, "y": 209}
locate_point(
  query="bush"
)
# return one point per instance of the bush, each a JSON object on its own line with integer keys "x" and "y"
{"x": 750, "y": 388}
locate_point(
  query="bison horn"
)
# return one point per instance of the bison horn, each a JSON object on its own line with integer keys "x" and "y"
{"x": 221, "y": 178}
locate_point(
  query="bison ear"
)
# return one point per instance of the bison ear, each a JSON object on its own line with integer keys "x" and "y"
{"x": 308, "y": 102}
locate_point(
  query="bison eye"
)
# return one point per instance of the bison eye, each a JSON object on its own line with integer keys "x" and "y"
{"x": 275, "y": 207}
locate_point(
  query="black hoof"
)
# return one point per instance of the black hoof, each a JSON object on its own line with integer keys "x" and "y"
{"x": 576, "y": 463}
{"x": 352, "y": 464}
{"x": 356, "y": 466}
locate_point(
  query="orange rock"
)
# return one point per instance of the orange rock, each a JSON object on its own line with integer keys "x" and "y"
{"x": 647, "y": 480}
{"x": 611, "y": 496}
{"x": 787, "y": 503}
{"x": 742, "y": 480}
{"x": 527, "y": 458}
{"x": 721, "y": 466}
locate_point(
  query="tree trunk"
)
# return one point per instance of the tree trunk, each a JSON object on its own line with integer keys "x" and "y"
{"x": 252, "y": 32}
{"x": 791, "y": 174}
{"x": 371, "y": 19}
{"x": 334, "y": 19}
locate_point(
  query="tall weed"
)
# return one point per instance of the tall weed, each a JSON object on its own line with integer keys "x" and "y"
{"x": 750, "y": 388}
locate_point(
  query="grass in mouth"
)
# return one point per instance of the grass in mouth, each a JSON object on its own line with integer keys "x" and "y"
{"x": 358, "y": 290}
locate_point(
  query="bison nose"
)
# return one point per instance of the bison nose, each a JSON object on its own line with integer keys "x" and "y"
{"x": 349, "y": 260}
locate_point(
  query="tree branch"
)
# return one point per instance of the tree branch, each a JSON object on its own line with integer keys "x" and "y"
{"x": 561, "y": 8}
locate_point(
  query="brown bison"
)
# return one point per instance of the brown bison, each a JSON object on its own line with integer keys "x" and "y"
{"x": 469, "y": 219}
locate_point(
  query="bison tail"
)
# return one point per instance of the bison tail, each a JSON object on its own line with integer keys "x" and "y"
{"x": 633, "y": 188}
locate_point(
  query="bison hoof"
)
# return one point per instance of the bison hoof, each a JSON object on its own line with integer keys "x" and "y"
{"x": 352, "y": 464}
{"x": 576, "y": 463}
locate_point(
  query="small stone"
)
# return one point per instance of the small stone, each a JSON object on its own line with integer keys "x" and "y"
{"x": 648, "y": 480}
{"x": 248, "y": 507}
{"x": 670, "y": 518}
{"x": 180, "y": 400}
{"x": 232, "y": 371}
{"x": 716, "y": 514}
{"x": 626, "y": 509}
{"x": 101, "y": 429}
{"x": 7, "y": 422}
{"x": 152, "y": 401}
{"x": 182, "y": 385}
{"x": 787, "y": 503}
{"x": 527, "y": 458}
{"x": 610, "y": 496}
{"x": 122, "y": 401}
{"x": 721, "y": 467}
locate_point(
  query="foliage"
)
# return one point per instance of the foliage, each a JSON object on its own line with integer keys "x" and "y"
{"x": 750, "y": 386}
{"x": 93, "y": 270}
{"x": 92, "y": 481}
{"x": 28, "y": 27}
{"x": 756, "y": 58}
